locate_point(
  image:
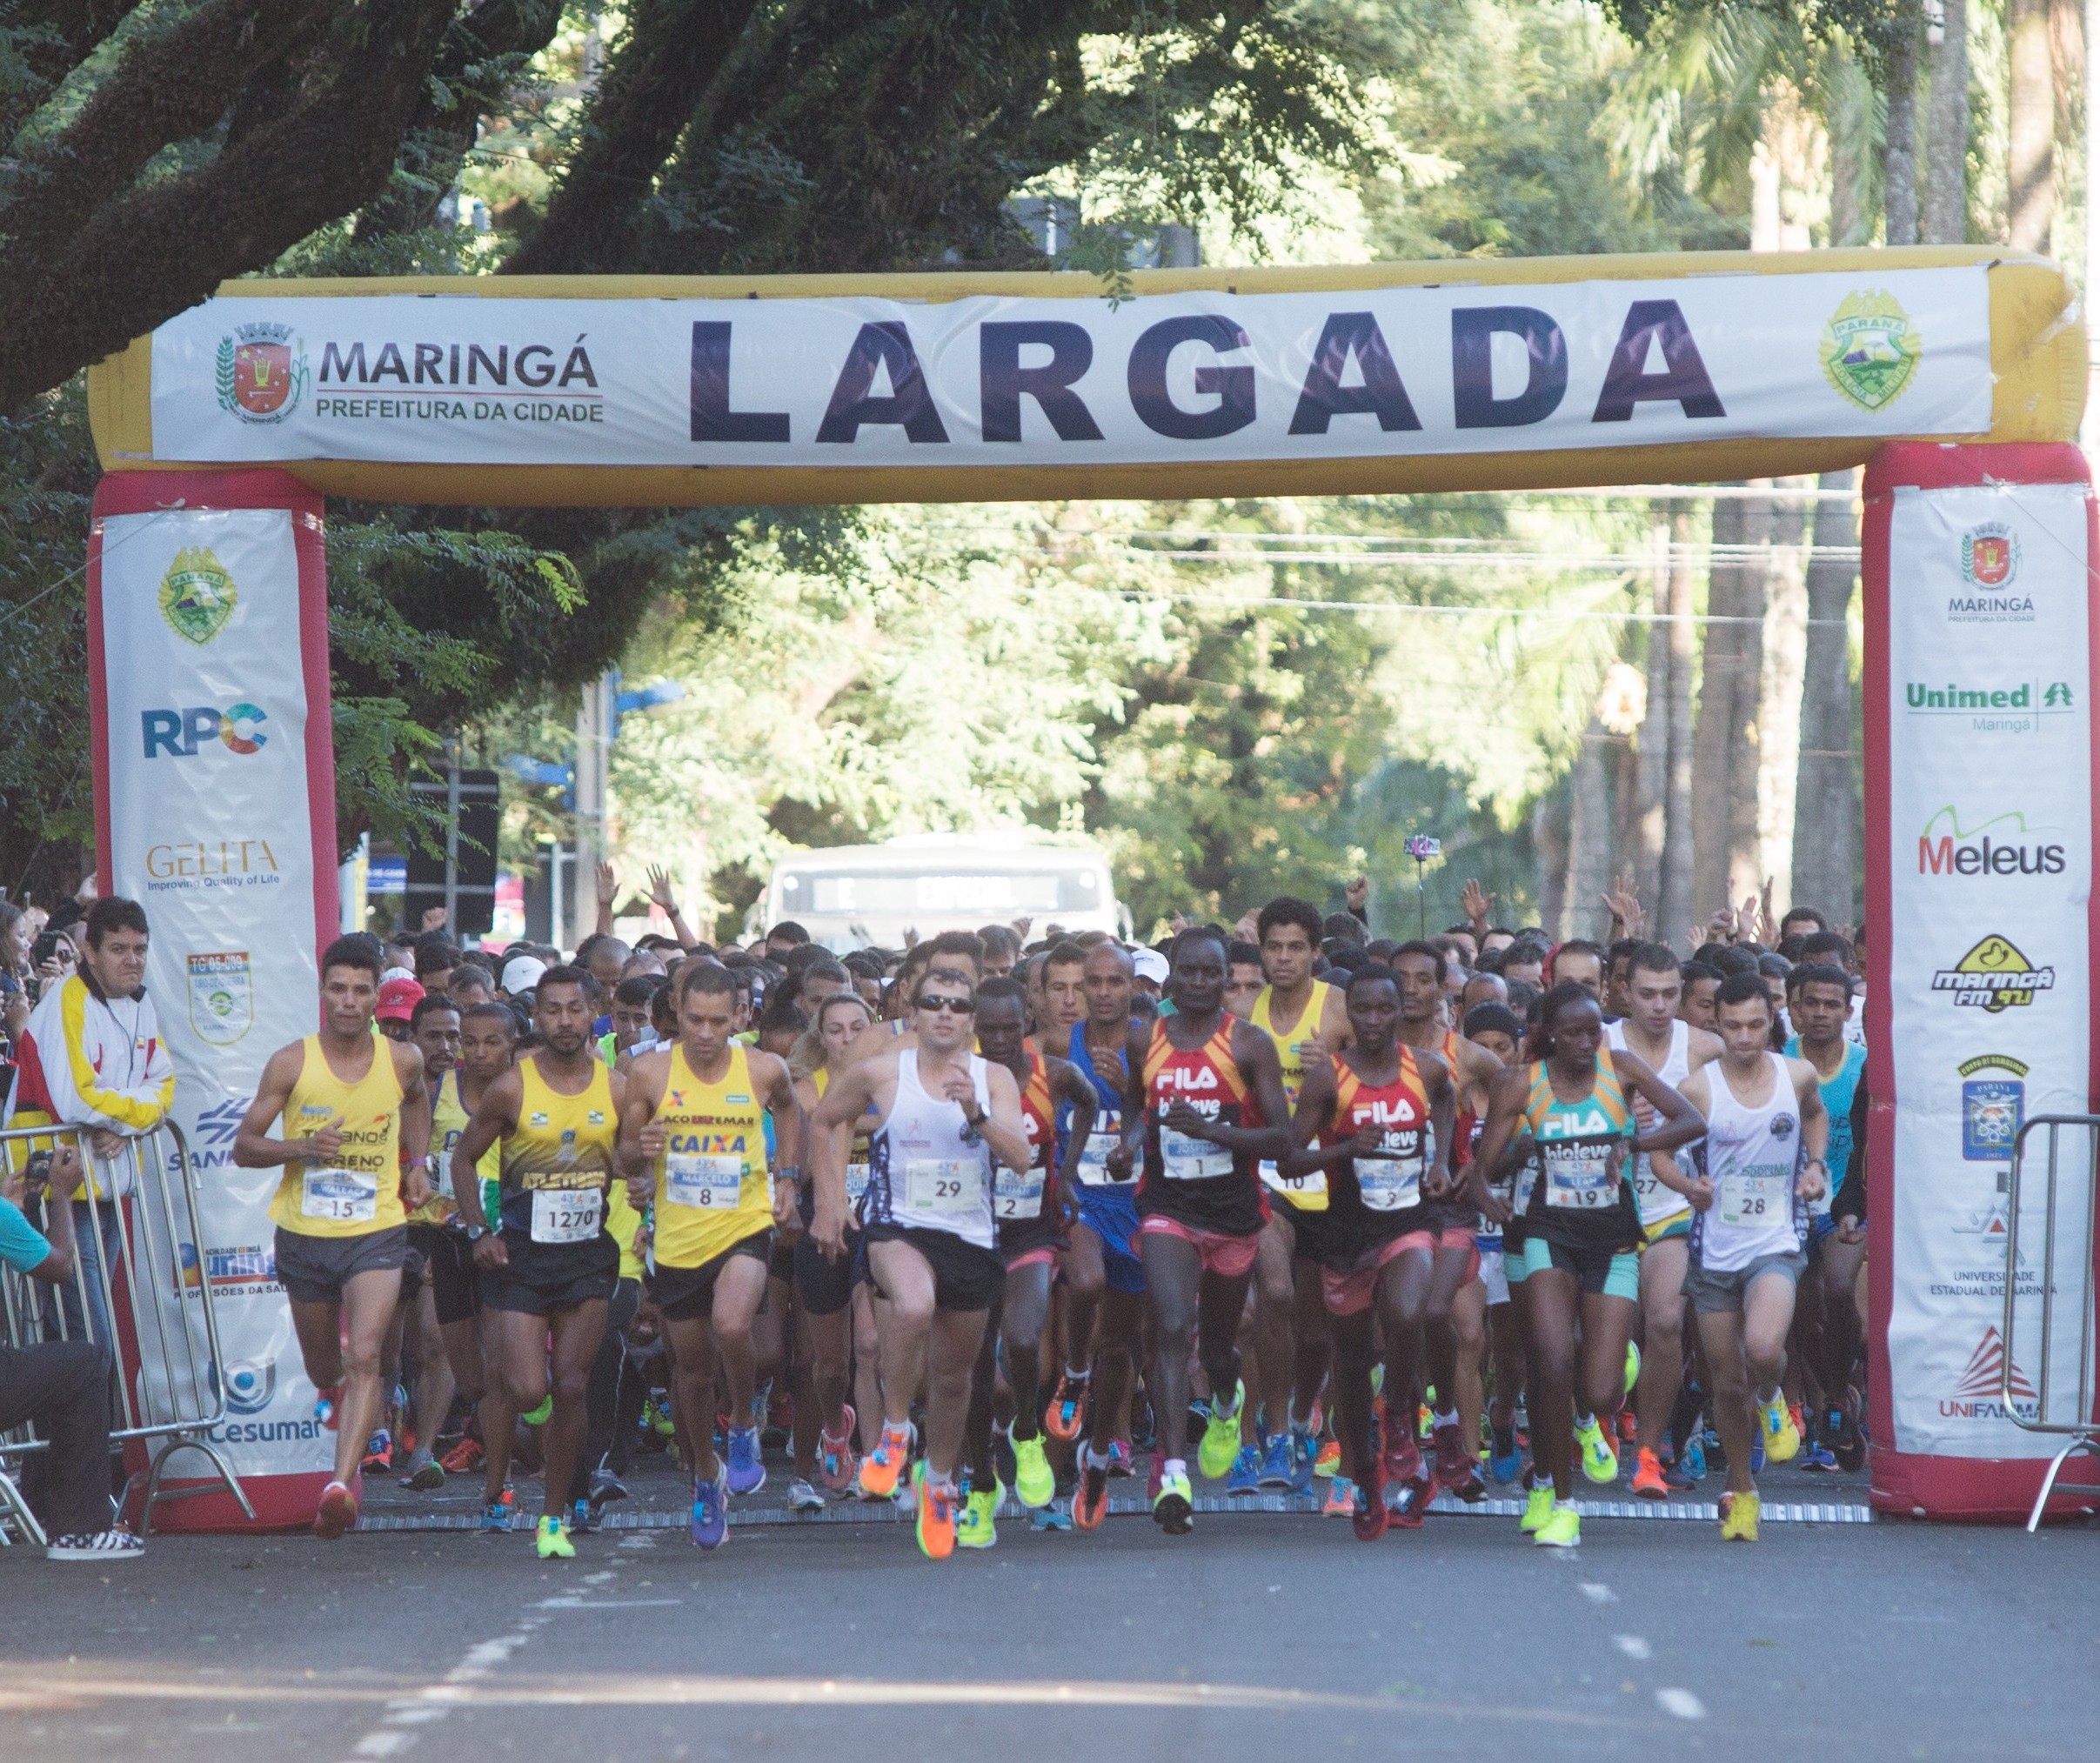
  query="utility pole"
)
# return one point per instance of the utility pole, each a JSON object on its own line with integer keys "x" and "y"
{"x": 592, "y": 738}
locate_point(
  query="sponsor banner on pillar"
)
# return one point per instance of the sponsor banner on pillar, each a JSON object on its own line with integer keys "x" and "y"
{"x": 985, "y": 381}
{"x": 215, "y": 792}
{"x": 1989, "y": 950}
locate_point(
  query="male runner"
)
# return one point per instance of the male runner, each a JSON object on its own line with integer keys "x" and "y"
{"x": 549, "y": 1266}
{"x": 1822, "y": 1009}
{"x": 353, "y": 1106}
{"x": 1104, "y": 1279}
{"x": 1244, "y": 977}
{"x": 1031, "y": 1209}
{"x": 1197, "y": 1080}
{"x": 1384, "y": 1116}
{"x": 1700, "y": 981}
{"x": 928, "y": 1229}
{"x": 1766, "y": 1134}
{"x": 434, "y": 1251}
{"x": 488, "y": 1034}
{"x": 1305, "y": 1018}
{"x": 1064, "y": 995}
{"x": 693, "y": 1142}
{"x": 960, "y": 949}
{"x": 1673, "y": 1049}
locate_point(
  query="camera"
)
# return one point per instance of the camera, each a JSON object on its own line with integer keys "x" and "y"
{"x": 1422, "y": 845}
{"x": 45, "y": 947}
{"x": 37, "y": 1172}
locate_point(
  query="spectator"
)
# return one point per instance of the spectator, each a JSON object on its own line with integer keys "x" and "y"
{"x": 436, "y": 956}
{"x": 520, "y": 974}
{"x": 782, "y": 937}
{"x": 17, "y": 983}
{"x": 397, "y": 1008}
{"x": 472, "y": 981}
{"x": 63, "y": 1386}
{"x": 1002, "y": 950}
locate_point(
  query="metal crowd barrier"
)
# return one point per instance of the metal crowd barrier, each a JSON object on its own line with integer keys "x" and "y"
{"x": 131, "y": 1294}
{"x": 2029, "y": 1404}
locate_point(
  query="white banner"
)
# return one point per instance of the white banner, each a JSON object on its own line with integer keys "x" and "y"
{"x": 209, "y": 827}
{"x": 1991, "y": 831}
{"x": 994, "y": 381}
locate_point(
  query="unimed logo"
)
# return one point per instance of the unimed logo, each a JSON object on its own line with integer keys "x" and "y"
{"x": 1980, "y": 1394}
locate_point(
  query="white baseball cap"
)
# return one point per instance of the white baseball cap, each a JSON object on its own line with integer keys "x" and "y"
{"x": 521, "y": 973}
{"x": 1149, "y": 963}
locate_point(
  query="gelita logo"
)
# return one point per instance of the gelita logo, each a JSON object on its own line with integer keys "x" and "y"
{"x": 1989, "y": 1377}
{"x": 183, "y": 734}
{"x": 2003, "y": 846}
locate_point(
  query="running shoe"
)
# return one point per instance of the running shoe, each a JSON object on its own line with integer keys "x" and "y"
{"x": 552, "y": 1544}
{"x": 1198, "y": 1418}
{"x": 465, "y": 1458}
{"x": 1276, "y": 1468}
{"x": 656, "y": 1414}
{"x": 1370, "y": 1516}
{"x": 1633, "y": 1365}
{"x": 1756, "y": 1458}
{"x": 1538, "y": 1507}
{"x": 1600, "y": 1461}
{"x": 425, "y": 1474}
{"x": 1562, "y": 1530}
{"x": 1090, "y": 1498}
{"x": 1648, "y": 1481}
{"x": 1341, "y": 1501}
{"x": 1409, "y": 1503}
{"x": 1173, "y": 1507}
{"x": 605, "y": 1487}
{"x": 1739, "y": 1514}
{"x": 1245, "y": 1476}
{"x": 1453, "y": 1467}
{"x": 1504, "y": 1462}
{"x": 936, "y": 1519}
{"x": 775, "y": 1421}
{"x": 378, "y": 1454}
{"x": 1817, "y": 1457}
{"x": 1777, "y": 1431}
{"x": 1472, "y": 1490}
{"x": 974, "y": 1525}
{"x": 1220, "y": 1436}
{"x": 881, "y": 1468}
{"x": 1033, "y": 1479}
{"x": 1049, "y": 1517}
{"x": 1848, "y": 1443}
{"x": 1403, "y": 1457}
{"x": 338, "y": 1510}
{"x": 1122, "y": 1461}
{"x": 496, "y": 1515}
{"x": 1061, "y": 1417}
{"x": 1328, "y": 1462}
{"x": 837, "y": 1466}
{"x": 582, "y": 1519}
{"x": 801, "y": 1497}
{"x": 1301, "y": 1462}
{"x": 94, "y": 1546}
{"x": 540, "y": 1415}
{"x": 1689, "y": 1469}
{"x": 746, "y": 1470}
{"x": 710, "y": 1513}
{"x": 327, "y": 1404}
{"x": 1628, "y": 1428}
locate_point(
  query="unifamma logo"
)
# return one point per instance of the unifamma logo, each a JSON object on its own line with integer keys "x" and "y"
{"x": 1980, "y": 1395}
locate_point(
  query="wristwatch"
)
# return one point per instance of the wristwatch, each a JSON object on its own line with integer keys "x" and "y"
{"x": 475, "y": 1232}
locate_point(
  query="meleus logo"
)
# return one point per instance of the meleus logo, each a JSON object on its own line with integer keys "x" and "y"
{"x": 183, "y": 734}
{"x": 1994, "y": 976}
{"x": 1991, "y": 569}
{"x": 1946, "y": 848}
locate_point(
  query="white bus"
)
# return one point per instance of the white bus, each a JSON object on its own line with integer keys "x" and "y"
{"x": 851, "y": 895}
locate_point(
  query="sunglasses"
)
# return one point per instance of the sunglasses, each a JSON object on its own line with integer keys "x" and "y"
{"x": 958, "y": 1007}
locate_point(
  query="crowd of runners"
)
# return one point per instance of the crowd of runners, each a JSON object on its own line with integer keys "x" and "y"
{"x": 985, "y": 1225}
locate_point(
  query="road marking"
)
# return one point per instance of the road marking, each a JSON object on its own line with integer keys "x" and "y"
{"x": 382, "y": 1744}
{"x": 1599, "y": 1594}
{"x": 1682, "y": 1703}
{"x": 1632, "y": 1645}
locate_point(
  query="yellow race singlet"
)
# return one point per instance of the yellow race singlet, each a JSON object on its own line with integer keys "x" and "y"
{"x": 1307, "y": 1192}
{"x": 558, "y": 1161}
{"x": 856, "y": 1158}
{"x": 713, "y": 1187}
{"x": 358, "y": 1191}
{"x": 448, "y": 1120}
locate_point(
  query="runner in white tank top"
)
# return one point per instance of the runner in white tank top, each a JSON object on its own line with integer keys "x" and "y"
{"x": 928, "y": 1169}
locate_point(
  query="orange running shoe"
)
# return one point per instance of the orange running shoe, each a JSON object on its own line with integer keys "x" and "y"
{"x": 882, "y": 1467}
{"x": 1328, "y": 1462}
{"x": 1090, "y": 1498}
{"x": 338, "y": 1512}
{"x": 465, "y": 1458}
{"x": 1647, "y": 1478}
{"x": 1061, "y": 1417}
{"x": 936, "y": 1519}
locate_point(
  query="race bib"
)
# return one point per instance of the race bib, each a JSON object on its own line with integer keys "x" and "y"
{"x": 856, "y": 1182}
{"x": 1297, "y": 1187}
{"x": 1581, "y": 1179}
{"x": 341, "y": 1196}
{"x": 943, "y": 1183}
{"x": 708, "y": 1183}
{"x": 1756, "y": 1196}
{"x": 1093, "y": 1170}
{"x": 1192, "y": 1159}
{"x": 566, "y": 1215}
{"x": 1389, "y": 1184}
{"x": 1017, "y": 1193}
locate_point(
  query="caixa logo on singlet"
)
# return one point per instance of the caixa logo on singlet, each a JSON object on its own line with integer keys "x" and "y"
{"x": 183, "y": 734}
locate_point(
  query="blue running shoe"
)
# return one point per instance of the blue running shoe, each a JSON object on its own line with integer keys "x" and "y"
{"x": 1244, "y": 1475}
{"x": 1757, "y": 1459}
{"x": 1301, "y": 1462}
{"x": 709, "y": 1515}
{"x": 1818, "y": 1456}
{"x": 496, "y": 1515}
{"x": 746, "y": 1471}
{"x": 1276, "y": 1466}
{"x": 1504, "y": 1462}
{"x": 1050, "y": 1518}
{"x": 582, "y": 1518}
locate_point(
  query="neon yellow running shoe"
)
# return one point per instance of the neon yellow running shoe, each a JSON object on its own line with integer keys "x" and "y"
{"x": 1538, "y": 1507}
{"x": 1633, "y": 1365}
{"x": 1562, "y": 1528}
{"x": 1739, "y": 1514}
{"x": 552, "y": 1543}
{"x": 1781, "y": 1436}
{"x": 1033, "y": 1479}
{"x": 543, "y": 1414}
{"x": 974, "y": 1528}
{"x": 1220, "y": 1436}
{"x": 1600, "y": 1461}
{"x": 1173, "y": 1506}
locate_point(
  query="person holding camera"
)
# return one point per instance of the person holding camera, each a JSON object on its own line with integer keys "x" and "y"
{"x": 64, "y": 1385}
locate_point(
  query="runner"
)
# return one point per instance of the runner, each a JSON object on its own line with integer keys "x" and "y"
{"x": 1822, "y": 1009}
{"x": 1582, "y": 1231}
{"x": 1244, "y": 977}
{"x": 435, "y": 1252}
{"x": 945, "y": 1115}
{"x": 1064, "y": 995}
{"x": 693, "y": 1142}
{"x": 1104, "y": 1279}
{"x": 1673, "y": 1049}
{"x": 356, "y": 1118}
{"x": 488, "y": 1034}
{"x": 550, "y": 1265}
{"x": 1029, "y": 1207}
{"x": 1199, "y": 1079}
{"x": 1765, "y": 1139}
{"x": 1384, "y": 1116}
{"x": 1306, "y": 1021}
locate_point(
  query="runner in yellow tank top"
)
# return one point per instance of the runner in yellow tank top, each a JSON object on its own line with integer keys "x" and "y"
{"x": 551, "y": 1266}
{"x": 692, "y": 1143}
{"x": 353, "y": 1107}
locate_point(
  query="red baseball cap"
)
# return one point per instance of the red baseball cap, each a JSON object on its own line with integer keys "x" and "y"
{"x": 398, "y": 1000}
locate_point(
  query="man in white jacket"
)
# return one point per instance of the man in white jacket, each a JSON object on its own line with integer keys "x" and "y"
{"x": 92, "y": 1058}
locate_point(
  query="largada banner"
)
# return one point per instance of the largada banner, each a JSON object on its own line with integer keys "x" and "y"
{"x": 1984, "y": 759}
{"x": 215, "y": 798}
{"x": 811, "y": 389}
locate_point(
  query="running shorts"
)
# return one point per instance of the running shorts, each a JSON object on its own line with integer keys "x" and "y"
{"x": 1676, "y": 1225}
{"x": 1228, "y": 1255}
{"x": 544, "y": 1278}
{"x": 448, "y": 1268}
{"x": 1111, "y": 1215}
{"x": 1712, "y": 1294}
{"x": 314, "y": 1269}
{"x": 826, "y": 1286}
{"x": 965, "y": 1277}
{"x": 683, "y": 1293}
{"x": 1606, "y": 1272}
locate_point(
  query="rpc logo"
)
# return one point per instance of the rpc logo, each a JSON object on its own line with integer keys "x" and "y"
{"x": 181, "y": 734}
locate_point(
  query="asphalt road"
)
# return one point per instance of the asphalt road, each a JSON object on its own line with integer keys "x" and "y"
{"x": 1260, "y": 1635}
